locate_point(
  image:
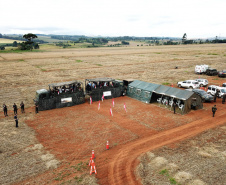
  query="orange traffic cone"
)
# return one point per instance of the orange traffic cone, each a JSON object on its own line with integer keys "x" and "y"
{"x": 93, "y": 156}
{"x": 90, "y": 161}
{"x": 93, "y": 168}
{"x": 107, "y": 145}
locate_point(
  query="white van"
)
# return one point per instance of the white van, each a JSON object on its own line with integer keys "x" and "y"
{"x": 200, "y": 69}
{"x": 212, "y": 89}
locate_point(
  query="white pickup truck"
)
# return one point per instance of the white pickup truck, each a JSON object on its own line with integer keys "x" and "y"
{"x": 191, "y": 84}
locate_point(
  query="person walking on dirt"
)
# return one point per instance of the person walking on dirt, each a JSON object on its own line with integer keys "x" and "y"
{"x": 214, "y": 109}
{"x": 22, "y": 107}
{"x": 5, "y": 110}
{"x": 15, "y": 108}
{"x": 16, "y": 120}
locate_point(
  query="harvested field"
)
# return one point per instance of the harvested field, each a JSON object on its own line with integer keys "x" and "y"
{"x": 69, "y": 134}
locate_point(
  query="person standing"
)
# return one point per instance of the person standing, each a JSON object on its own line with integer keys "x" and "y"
{"x": 16, "y": 120}
{"x": 5, "y": 110}
{"x": 36, "y": 107}
{"x": 22, "y": 107}
{"x": 223, "y": 98}
{"x": 214, "y": 109}
{"x": 15, "y": 108}
{"x": 215, "y": 97}
{"x": 174, "y": 107}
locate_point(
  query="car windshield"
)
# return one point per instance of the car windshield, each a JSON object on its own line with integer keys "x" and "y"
{"x": 223, "y": 90}
{"x": 195, "y": 82}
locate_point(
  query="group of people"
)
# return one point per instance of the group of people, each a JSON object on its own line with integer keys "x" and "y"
{"x": 217, "y": 95}
{"x": 64, "y": 89}
{"x": 5, "y": 110}
{"x": 94, "y": 85}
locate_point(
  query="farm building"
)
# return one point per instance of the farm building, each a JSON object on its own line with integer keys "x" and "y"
{"x": 108, "y": 87}
{"x": 164, "y": 95}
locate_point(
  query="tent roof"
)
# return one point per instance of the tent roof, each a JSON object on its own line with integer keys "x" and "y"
{"x": 64, "y": 83}
{"x": 104, "y": 79}
{"x": 162, "y": 89}
{"x": 144, "y": 85}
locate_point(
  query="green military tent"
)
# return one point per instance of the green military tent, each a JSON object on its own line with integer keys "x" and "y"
{"x": 150, "y": 93}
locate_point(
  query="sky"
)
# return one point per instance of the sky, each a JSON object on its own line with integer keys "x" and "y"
{"x": 142, "y": 18}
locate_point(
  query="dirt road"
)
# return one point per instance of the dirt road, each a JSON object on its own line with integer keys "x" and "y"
{"x": 117, "y": 165}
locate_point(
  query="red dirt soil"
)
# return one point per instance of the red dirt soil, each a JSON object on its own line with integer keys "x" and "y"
{"x": 72, "y": 133}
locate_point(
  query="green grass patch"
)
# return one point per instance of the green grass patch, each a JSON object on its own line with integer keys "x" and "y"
{"x": 176, "y": 59}
{"x": 212, "y": 54}
{"x": 165, "y": 83}
{"x": 99, "y": 64}
{"x": 157, "y": 53}
{"x": 165, "y": 172}
{"x": 215, "y": 78}
{"x": 20, "y": 51}
{"x": 21, "y": 60}
{"x": 40, "y": 67}
{"x": 78, "y": 61}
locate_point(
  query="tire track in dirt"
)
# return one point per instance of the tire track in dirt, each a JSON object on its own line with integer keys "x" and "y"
{"x": 120, "y": 166}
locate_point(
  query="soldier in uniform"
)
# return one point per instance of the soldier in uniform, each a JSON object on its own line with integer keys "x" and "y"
{"x": 36, "y": 107}
{"x": 215, "y": 97}
{"x": 22, "y": 107}
{"x": 16, "y": 120}
{"x": 5, "y": 110}
{"x": 15, "y": 108}
{"x": 214, "y": 109}
{"x": 223, "y": 98}
{"x": 174, "y": 107}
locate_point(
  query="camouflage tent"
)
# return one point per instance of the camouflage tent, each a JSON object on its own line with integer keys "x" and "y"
{"x": 150, "y": 93}
{"x": 108, "y": 87}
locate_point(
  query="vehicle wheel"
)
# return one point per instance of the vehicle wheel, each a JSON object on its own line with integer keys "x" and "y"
{"x": 179, "y": 85}
{"x": 201, "y": 85}
{"x": 190, "y": 87}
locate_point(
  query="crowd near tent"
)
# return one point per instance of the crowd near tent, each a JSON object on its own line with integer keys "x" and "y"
{"x": 151, "y": 93}
{"x": 97, "y": 88}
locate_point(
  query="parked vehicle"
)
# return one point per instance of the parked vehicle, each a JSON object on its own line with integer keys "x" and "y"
{"x": 203, "y": 94}
{"x": 211, "y": 72}
{"x": 191, "y": 84}
{"x": 224, "y": 85}
{"x": 202, "y": 82}
{"x": 212, "y": 89}
{"x": 222, "y": 73}
{"x": 199, "y": 69}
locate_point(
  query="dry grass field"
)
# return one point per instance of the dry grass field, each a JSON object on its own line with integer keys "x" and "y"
{"x": 28, "y": 149}
{"x": 8, "y": 41}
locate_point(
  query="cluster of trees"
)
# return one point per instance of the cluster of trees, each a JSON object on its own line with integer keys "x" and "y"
{"x": 93, "y": 40}
{"x": 125, "y": 43}
{"x": 61, "y": 44}
{"x": 67, "y": 37}
{"x": 29, "y": 44}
